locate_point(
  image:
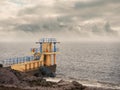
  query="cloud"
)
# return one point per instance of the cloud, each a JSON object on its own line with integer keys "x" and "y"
{"x": 95, "y": 3}
{"x": 80, "y": 18}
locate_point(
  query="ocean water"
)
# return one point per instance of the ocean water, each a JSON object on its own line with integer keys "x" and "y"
{"x": 87, "y": 61}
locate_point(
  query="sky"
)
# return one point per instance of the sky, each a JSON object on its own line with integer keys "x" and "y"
{"x": 69, "y": 20}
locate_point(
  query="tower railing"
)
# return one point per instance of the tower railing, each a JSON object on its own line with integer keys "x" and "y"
{"x": 48, "y": 40}
{"x": 53, "y": 50}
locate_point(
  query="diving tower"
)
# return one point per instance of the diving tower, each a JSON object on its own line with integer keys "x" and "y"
{"x": 43, "y": 56}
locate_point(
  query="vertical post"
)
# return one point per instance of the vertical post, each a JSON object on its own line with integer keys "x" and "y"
{"x": 40, "y": 63}
{"x": 24, "y": 59}
{"x": 21, "y": 59}
{"x": 25, "y": 67}
{"x": 54, "y": 46}
{"x": 43, "y": 62}
{"x": 32, "y": 57}
{"x": 28, "y": 58}
{"x": 50, "y": 47}
{"x": 13, "y": 61}
{"x": 29, "y": 66}
{"x": 54, "y": 58}
{"x": 48, "y": 60}
{"x": 10, "y": 61}
{"x": 41, "y": 47}
{"x": 33, "y": 65}
{"x": 37, "y": 64}
{"x": 43, "y": 40}
{"x": 17, "y": 60}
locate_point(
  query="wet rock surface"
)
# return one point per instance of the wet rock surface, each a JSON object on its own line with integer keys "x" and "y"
{"x": 14, "y": 80}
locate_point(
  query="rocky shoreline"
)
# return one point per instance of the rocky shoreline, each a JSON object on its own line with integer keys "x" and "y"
{"x": 14, "y": 80}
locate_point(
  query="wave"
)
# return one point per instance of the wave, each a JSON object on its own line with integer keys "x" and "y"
{"x": 90, "y": 83}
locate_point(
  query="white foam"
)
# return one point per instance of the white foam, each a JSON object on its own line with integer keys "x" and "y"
{"x": 87, "y": 83}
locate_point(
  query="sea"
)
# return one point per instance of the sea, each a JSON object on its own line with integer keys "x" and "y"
{"x": 93, "y": 63}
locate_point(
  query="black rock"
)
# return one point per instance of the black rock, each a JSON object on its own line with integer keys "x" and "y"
{"x": 1, "y": 65}
{"x": 46, "y": 72}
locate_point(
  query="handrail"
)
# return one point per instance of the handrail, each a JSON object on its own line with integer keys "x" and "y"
{"x": 17, "y": 60}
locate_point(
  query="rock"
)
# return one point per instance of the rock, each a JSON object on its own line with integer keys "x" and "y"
{"x": 7, "y": 77}
{"x": 22, "y": 80}
{"x": 66, "y": 85}
{"x": 78, "y": 85}
{"x": 9, "y": 88}
{"x": 19, "y": 75}
{"x": 38, "y": 74}
{"x": 61, "y": 81}
{"x": 46, "y": 72}
{"x": 75, "y": 83}
{"x": 1, "y": 65}
{"x": 44, "y": 83}
{"x": 29, "y": 78}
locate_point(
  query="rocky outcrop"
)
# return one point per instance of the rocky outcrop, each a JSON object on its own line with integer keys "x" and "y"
{"x": 8, "y": 77}
{"x": 14, "y": 80}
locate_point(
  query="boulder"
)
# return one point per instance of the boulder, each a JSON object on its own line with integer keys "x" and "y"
{"x": 7, "y": 77}
{"x": 1, "y": 65}
{"x": 46, "y": 72}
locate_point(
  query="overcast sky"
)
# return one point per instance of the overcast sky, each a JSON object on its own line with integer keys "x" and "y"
{"x": 22, "y": 19}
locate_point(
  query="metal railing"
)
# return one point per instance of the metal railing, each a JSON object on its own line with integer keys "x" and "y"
{"x": 53, "y": 50}
{"x": 17, "y": 60}
{"x": 48, "y": 40}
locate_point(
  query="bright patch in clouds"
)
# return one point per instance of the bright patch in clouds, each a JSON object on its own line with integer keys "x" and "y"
{"x": 18, "y": 2}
